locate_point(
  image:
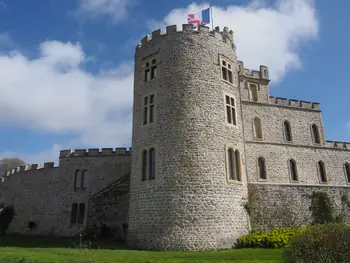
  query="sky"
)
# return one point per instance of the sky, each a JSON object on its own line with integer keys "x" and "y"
{"x": 66, "y": 66}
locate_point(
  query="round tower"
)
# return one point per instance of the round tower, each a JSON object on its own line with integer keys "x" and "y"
{"x": 188, "y": 178}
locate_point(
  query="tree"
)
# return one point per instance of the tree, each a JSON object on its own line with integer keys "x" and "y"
{"x": 6, "y": 164}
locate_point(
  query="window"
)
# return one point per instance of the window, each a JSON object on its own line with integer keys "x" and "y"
{"x": 226, "y": 69}
{"x": 347, "y": 171}
{"x": 293, "y": 170}
{"x": 322, "y": 171}
{"x": 230, "y": 110}
{"x": 74, "y": 213}
{"x": 77, "y": 213}
{"x": 148, "y": 109}
{"x": 84, "y": 179}
{"x": 258, "y": 134}
{"x": 287, "y": 131}
{"x": 233, "y": 164}
{"x": 315, "y": 133}
{"x": 148, "y": 164}
{"x": 77, "y": 179}
{"x": 150, "y": 70}
{"x": 254, "y": 92}
{"x": 262, "y": 168}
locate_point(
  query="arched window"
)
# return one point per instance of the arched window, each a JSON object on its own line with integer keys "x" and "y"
{"x": 257, "y": 128}
{"x": 322, "y": 171}
{"x": 234, "y": 164}
{"x": 315, "y": 133}
{"x": 152, "y": 163}
{"x": 347, "y": 171}
{"x": 230, "y": 163}
{"x": 262, "y": 168}
{"x": 144, "y": 165}
{"x": 81, "y": 213}
{"x": 77, "y": 179}
{"x": 74, "y": 213}
{"x": 237, "y": 166}
{"x": 293, "y": 170}
{"x": 84, "y": 179}
{"x": 287, "y": 131}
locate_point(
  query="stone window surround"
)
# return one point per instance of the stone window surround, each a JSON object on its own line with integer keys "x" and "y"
{"x": 258, "y": 170}
{"x": 347, "y": 177}
{"x": 251, "y": 83}
{"x": 149, "y": 66}
{"x": 148, "y": 109}
{"x": 228, "y": 62}
{"x": 312, "y": 134}
{"x": 325, "y": 172}
{"x": 147, "y": 166}
{"x": 77, "y": 215}
{"x": 225, "y": 110}
{"x": 290, "y": 172}
{"x": 262, "y": 130}
{"x": 284, "y": 131}
{"x": 229, "y": 180}
{"x": 83, "y": 179}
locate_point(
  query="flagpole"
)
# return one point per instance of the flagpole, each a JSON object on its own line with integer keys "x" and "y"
{"x": 212, "y": 18}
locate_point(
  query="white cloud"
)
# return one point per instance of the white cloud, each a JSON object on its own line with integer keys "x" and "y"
{"x": 54, "y": 93}
{"x": 116, "y": 10}
{"x": 267, "y": 35}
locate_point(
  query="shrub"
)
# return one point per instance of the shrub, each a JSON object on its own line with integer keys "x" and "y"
{"x": 277, "y": 238}
{"x": 320, "y": 243}
{"x": 6, "y": 216}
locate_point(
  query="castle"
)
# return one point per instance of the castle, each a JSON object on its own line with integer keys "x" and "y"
{"x": 205, "y": 134}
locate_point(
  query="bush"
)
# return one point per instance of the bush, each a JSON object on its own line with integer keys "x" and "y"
{"x": 278, "y": 238}
{"x": 320, "y": 243}
{"x": 6, "y": 216}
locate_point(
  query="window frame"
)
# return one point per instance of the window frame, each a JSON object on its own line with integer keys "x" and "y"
{"x": 318, "y": 134}
{"x": 147, "y": 166}
{"x": 284, "y": 131}
{"x": 290, "y": 172}
{"x": 347, "y": 176}
{"x": 250, "y": 91}
{"x": 77, "y": 180}
{"x": 258, "y": 169}
{"x": 318, "y": 172}
{"x": 147, "y": 108}
{"x": 84, "y": 179}
{"x": 235, "y": 123}
{"x": 239, "y": 177}
{"x": 148, "y": 70}
{"x": 229, "y": 67}
{"x": 254, "y": 128}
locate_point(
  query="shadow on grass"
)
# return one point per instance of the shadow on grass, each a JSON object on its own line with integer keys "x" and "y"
{"x": 25, "y": 241}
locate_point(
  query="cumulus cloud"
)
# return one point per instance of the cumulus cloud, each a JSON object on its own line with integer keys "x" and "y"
{"x": 116, "y": 10}
{"x": 54, "y": 93}
{"x": 264, "y": 34}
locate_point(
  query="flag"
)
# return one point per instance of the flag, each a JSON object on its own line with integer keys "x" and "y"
{"x": 201, "y": 18}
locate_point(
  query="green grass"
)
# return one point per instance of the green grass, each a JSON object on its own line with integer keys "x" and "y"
{"x": 47, "y": 250}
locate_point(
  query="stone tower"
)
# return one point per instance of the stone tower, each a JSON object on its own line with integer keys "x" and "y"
{"x": 188, "y": 179}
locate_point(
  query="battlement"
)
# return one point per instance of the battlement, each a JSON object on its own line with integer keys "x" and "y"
{"x": 338, "y": 144}
{"x": 30, "y": 167}
{"x": 94, "y": 152}
{"x": 224, "y": 35}
{"x": 294, "y": 103}
{"x": 262, "y": 74}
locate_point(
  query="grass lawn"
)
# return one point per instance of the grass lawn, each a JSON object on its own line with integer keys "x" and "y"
{"x": 46, "y": 250}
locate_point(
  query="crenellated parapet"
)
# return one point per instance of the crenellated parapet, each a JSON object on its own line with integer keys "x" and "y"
{"x": 261, "y": 74}
{"x": 338, "y": 145}
{"x": 225, "y": 35}
{"x": 294, "y": 103}
{"x": 30, "y": 167}
{"x": 94, "y": 152}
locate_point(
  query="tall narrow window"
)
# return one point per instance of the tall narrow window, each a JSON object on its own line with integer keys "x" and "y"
{"x": 152, "y": 163}
{"x": 258, "y": 134}
{"x": 77, "y": 179}
{"x": 81, "y": 215}
{"x": 237, "y": 166}
{"x": 262, "y": 168}
{"x": 322, "y": 171}
{"x": 287, "y": 131}
{"x": 230, "y": 110}
{"x": 230, "y": 162}
{"x": 293, "y": 170}
{"x": 74, "y": 213}
{"x": 347, "y": 171}
{"x": 148, "y": 109}
{"x": 84, "y": 179}
{"x": 315, "y": 133}
{"x": 254, "y": 92}
{"x": 153, "y": 69}
{"x": 226, "y": 69}
{"x": 144, "y": 165}
{"x": 150, "y": 70}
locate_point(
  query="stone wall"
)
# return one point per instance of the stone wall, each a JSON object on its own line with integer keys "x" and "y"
{"x": 283, "y": 205}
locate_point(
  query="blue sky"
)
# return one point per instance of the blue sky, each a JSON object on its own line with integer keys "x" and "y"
{"x": 67, "y": 65}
